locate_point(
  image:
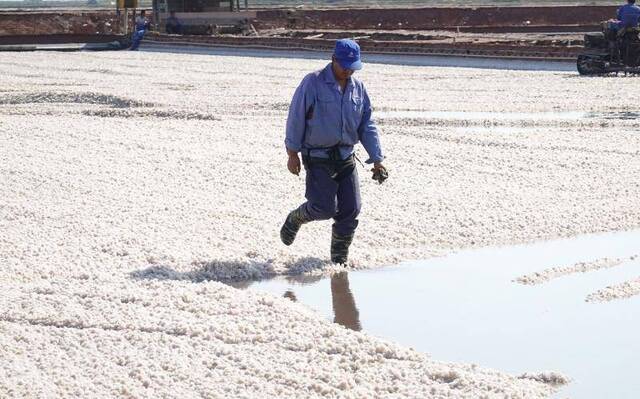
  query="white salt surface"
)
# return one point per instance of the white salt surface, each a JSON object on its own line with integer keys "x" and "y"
{"x": 579, "y": 267}
{"x": 120, "y": 168}
{"x": 623, "y": 290}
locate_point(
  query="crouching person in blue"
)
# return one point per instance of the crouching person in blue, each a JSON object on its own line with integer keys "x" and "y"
{"x": 142, "y": 24}
{"x": 329, "y": 114}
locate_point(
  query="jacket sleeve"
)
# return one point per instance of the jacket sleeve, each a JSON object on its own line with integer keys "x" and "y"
{"x": 302, "y": 102}
{"x": 368, "y": 132}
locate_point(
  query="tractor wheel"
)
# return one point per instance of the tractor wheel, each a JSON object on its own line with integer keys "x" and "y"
{"x": 587, "y": 66}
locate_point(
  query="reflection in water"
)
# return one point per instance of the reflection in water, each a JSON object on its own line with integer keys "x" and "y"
{"x": 291, "y": 295}
{"x": 344, "y": 306}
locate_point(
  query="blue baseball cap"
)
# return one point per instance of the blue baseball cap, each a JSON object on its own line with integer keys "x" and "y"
{"x": 347, "y": 54}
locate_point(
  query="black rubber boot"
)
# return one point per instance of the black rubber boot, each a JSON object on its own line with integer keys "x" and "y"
{"x": 291, "y": 225}
{"x": 340, "y": 247}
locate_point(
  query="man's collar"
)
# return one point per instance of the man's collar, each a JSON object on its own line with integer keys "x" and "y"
{"x": 329, "y": 77}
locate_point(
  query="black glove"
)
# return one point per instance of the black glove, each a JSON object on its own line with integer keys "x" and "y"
{"x": 380, "y": 175}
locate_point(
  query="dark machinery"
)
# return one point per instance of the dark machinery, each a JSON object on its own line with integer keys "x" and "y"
{"x": 612, "y": 50}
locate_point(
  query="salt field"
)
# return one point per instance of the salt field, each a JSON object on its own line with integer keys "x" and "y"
{"x": 136, "y": 183}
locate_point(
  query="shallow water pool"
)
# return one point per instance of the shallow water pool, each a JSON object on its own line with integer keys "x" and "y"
{"x": 466, "y": 308}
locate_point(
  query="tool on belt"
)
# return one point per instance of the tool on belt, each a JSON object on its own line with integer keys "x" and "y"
{"x": 379, "y": 175}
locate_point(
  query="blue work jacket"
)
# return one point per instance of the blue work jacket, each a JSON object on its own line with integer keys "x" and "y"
{"x": 142, "y": 23}
{"x": 322, "y": 116}
{"x": 628, "y": 15}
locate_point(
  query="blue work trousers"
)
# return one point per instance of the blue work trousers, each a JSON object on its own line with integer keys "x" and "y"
{"x": 136, "y": 39}
{"x": 333, "y": 191}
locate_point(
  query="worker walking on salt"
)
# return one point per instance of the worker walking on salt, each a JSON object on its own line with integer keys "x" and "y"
{"x": 329, "y": 114}
{"x": 141, "y": 26}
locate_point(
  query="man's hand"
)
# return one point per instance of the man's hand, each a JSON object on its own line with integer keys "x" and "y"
{"x": 380, "y": 173}
{"x": 293, "y": 164}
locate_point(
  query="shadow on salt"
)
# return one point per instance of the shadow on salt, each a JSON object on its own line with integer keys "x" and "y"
{"x": 239, "y": 272}
{"x": 465, "y": 307}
